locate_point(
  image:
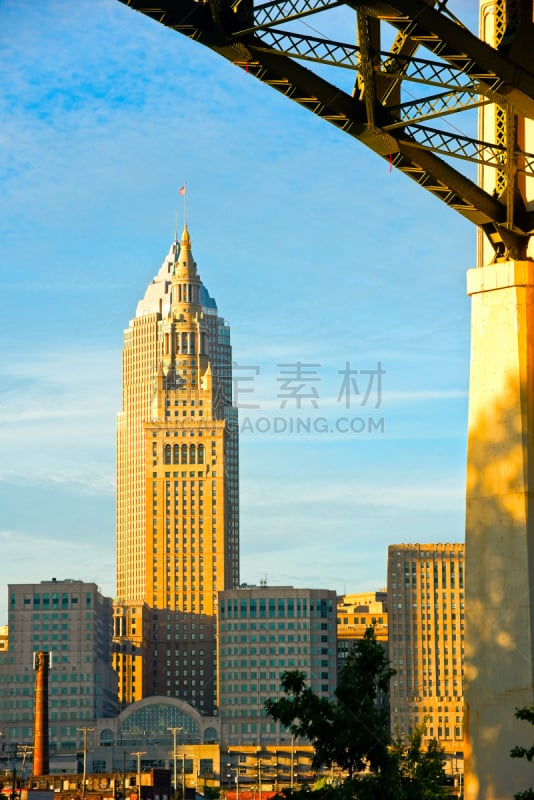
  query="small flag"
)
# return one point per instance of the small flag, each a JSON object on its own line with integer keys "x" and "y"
{"x": 182, "y": 189}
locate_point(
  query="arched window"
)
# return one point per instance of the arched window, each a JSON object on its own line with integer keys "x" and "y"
{"x": 192, "y": 454}
{"x": 167, "y": 454}
{"x": 210, "y": 736}
{"x": 153, "y": 722}
{"x": 200, "y": 454}
{"x": 106, "y": 738}
{"x": 184, "y": 454}
{"x": 176, "y": 454}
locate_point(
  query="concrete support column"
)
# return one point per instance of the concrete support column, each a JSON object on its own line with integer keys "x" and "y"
{"x": 499, "y": 552}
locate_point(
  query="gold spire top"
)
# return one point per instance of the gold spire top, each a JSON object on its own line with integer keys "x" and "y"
{"x": 186, "y": 239}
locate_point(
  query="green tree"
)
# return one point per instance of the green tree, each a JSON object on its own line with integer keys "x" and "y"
{"x": 526, "y": 714}
{"x": 352, "y": 729}
{"x": 422, "y": 772}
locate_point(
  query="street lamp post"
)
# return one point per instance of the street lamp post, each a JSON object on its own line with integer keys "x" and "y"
{"x": 259, "y": 775}
{"x": 14, "y": 788}
{"x": 236, "y": 777}
{"x": 26, "y": 750}
{"x": 139, "y": 753}
{"x": 174, "y": 730}
{"x": 85, "y": 729}
{"x": 230, "y": 777}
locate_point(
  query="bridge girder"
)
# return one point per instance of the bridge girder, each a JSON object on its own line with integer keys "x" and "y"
{"x": 466, "y": 71}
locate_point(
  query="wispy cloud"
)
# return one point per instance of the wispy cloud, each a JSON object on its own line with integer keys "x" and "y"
{"x": 58, "y": 416}
{"x": 355, "y": 494}
{"x": 337, "y": 403}
{"x": 88, "y": 480}
{"x": 33, "y": 558}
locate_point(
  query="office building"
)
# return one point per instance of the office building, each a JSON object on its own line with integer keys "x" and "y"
{"x": 426, "y": 640}
{"x": 264, "y": 631}
{"x": 355, "y": 614}
{"x": 177, "y": 486}
{"x": 73, "y": 621}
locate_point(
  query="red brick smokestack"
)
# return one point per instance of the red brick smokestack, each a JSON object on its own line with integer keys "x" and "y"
{"x": 41, "y": 763}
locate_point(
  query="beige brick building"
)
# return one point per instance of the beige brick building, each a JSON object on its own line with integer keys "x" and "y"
{"x": 426, "y": 640}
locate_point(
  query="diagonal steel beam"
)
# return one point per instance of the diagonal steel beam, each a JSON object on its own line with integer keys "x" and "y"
{"x": 272, "y": 13}
{"x": 348, "y": 56}
{"x": 213, "y": 24}
{"x": 437, "y": 105}
{"x": 458, "y": 46}
{"x": 423, "y": 166}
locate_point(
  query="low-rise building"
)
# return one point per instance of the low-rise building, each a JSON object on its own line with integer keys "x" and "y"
{"x": 72, "y": 620}
{"x": 355, "y": 614}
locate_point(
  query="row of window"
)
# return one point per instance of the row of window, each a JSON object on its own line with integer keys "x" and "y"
{"x": 51, "y": 600}
{"x": 277, "y": 607}
{"x": 191, "y": 433}
{"x": 280, "y": 625}
{"x": 182, "y": 454}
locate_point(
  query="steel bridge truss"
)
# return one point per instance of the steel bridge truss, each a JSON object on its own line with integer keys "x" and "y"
{"x": 397, "y": 103}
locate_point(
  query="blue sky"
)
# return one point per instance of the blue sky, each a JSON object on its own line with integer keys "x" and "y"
{"x": 314, "y": 251}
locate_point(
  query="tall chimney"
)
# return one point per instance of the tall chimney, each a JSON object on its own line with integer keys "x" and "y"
{"x": 41, "y": 664}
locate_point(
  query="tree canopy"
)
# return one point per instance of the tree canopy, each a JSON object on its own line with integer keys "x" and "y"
{"x": 351, "y": 730}
{"x": 526, "y": 714}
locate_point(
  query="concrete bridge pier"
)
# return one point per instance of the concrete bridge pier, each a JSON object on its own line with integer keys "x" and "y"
{"x": 499, "y": 625}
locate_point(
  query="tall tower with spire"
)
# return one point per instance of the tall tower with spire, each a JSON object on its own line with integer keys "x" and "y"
{"x": 177, "y": 487}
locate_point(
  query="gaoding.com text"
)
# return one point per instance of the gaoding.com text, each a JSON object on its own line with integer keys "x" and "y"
{"x": 297, "y": 425}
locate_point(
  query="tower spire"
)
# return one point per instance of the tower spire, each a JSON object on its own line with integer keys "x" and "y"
{"x": 186, "y": 239}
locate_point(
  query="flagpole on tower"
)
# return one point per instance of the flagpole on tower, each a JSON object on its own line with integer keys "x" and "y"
{"x": 183, "y": 190}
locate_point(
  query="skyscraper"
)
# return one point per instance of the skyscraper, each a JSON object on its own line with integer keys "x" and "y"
{"x": 177, "y": 481}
